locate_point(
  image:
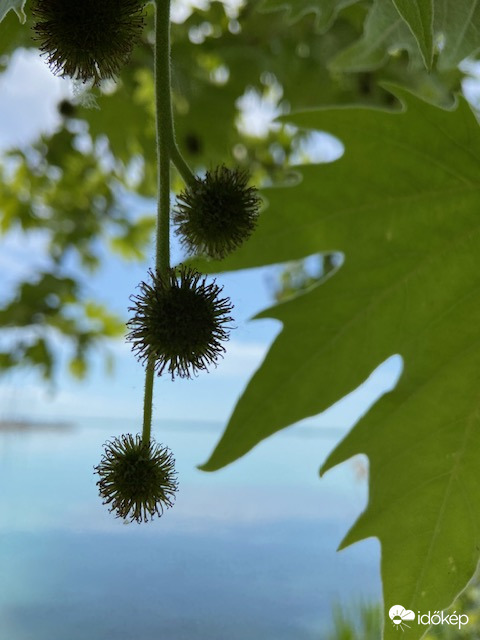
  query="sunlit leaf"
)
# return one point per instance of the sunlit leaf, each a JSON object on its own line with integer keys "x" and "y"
{"x": 408, "y": 228}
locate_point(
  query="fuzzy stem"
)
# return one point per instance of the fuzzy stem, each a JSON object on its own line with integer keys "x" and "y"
{"x": 181, "y": 166}
{"x": 164, "y": 131}
{"x": 147, "y": 403}
{"x": 165, "y": 142}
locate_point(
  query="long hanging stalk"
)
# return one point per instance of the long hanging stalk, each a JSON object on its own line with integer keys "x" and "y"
{"x": 164, "y": 141}
{"x": 164, "y": 132}
{"x": 180, "y": 321}
{"x": 167, "y": 151}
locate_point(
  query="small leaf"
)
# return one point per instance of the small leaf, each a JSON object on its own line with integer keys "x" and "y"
{"x": 78, "y": 367}
{"x": 418, "y": 14}
{"x": 39, "y": 354}
{"x": 135, "y": 238}
{"x": 108, "y": 323}
{"x": 16, "y": 5}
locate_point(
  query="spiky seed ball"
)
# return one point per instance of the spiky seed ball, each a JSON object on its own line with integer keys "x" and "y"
{"x": 179, "y": 323}
{"x": 137, "y": 480}
{"x": 88, "y": 39}
{"x": 217, "y": 213}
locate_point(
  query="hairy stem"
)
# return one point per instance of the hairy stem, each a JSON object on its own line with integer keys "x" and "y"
{"x": 147, "y": 403}
{"x": 165, "y": 142}
{"x": 181, "y": 166}
{"x": 164, "y": 131}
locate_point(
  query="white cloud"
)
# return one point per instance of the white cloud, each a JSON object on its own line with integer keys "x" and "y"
{"x": 21, "y": 255}
{"x": 30, "y": 93}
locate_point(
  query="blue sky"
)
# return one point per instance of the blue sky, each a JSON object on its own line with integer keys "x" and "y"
{"x": 29, "y": 97}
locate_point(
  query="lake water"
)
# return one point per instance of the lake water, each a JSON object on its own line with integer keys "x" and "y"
{"x": 246, "y": 553}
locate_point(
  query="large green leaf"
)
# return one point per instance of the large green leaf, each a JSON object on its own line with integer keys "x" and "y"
{"x": 414, "y": 25}
{"x": 403, "y": 205}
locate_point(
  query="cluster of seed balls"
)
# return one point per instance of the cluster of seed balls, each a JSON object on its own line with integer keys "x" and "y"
{"x": 178, "y": 326}
{"x": 179, "y": 320}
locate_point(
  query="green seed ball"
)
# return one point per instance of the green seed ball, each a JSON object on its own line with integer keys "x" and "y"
{"x": 88, "y": 39}
{"x": 179, "y": 322}
{"x": 137, "y": 480}
{"x": 216, "y": 214}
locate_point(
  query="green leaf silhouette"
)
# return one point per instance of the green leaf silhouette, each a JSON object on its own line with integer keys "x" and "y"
{"x": 408, "y": 226}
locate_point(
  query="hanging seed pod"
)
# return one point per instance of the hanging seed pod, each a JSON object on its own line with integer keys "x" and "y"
{"x": 87, "y": 39}
{"x": 179, "y": 323}
{"x": 216, "y": 214}
{"x": 137, "y": 480}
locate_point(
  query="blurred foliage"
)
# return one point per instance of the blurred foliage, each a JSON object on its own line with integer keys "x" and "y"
{"x": 467, "y": 603}
{"x": 70, "y": 183}
{"x": 364, "y": 621}
{"x": 50, "y": 304}
{"x": 360, "y": 622}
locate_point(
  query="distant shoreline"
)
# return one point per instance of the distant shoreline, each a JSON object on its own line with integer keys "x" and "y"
{"x": 32, "y": 425}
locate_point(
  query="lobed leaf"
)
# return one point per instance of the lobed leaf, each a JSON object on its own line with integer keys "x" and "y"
{"x": 402, "y": 205}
